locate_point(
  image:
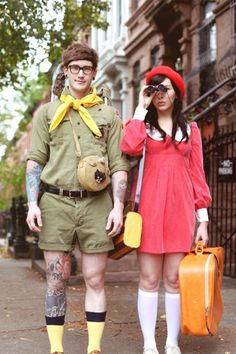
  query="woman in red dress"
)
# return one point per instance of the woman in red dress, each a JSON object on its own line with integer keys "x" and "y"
{"x": 173, "y": 191}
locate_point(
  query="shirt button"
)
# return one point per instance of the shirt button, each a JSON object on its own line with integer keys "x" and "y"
{"x": 78, "y": 123}
{"x": 78, "y": 137}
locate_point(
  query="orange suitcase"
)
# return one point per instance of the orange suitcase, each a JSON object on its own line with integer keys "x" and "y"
{"x": 200, "y": 278}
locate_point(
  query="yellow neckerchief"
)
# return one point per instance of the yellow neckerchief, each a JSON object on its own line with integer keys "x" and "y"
{"x": 68, "y": 101}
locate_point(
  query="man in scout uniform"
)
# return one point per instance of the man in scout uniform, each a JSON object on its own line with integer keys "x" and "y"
{"x": 66, "y": 132}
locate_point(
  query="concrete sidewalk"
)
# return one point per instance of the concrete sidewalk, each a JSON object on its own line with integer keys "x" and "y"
{"x": 22, "y": 328}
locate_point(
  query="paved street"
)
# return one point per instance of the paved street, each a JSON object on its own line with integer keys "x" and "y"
{"x": 22, "y": 329}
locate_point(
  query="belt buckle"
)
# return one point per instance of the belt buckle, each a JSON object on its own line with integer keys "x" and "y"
{"x": 79, "y": 192}
{"x": 70, "y": 194}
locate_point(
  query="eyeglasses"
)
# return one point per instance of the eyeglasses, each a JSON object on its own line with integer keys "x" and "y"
{"x": 75, "y": 69}
{"x": 159, "y": 88}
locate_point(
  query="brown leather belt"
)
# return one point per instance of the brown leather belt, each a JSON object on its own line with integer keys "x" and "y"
{"x": 68, "y": 193}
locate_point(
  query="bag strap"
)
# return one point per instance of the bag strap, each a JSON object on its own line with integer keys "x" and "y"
{"x": 140, "y": 178}
{"x": 105, "y": 94}
{"x": 77, "y": 145}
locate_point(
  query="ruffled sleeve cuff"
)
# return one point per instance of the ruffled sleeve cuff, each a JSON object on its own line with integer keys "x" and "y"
{"x": 202, "y": 215}
{"x": 140, "y": 113}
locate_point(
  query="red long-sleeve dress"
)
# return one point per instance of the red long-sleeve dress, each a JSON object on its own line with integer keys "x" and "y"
{"x": 173, "y": 187}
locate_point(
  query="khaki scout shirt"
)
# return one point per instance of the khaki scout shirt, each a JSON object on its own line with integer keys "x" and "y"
{"x": 56, "y": 151}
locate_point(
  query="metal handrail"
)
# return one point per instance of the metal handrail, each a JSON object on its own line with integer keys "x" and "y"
{"x": 215, "y": 104}
{"x": 205, "y": 95}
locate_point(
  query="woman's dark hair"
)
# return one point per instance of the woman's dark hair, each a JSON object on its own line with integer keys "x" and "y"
{"x": 177, "y": 116}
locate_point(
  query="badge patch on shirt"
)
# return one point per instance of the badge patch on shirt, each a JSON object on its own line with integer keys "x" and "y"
{"x": 117, "y": 113}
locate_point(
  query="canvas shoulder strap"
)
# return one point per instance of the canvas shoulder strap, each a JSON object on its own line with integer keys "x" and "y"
{"x": 76, "y": 140}
{"x": 140, "y": 178}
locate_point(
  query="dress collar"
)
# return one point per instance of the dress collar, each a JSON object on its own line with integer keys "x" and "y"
{"x": 156, "y": 135}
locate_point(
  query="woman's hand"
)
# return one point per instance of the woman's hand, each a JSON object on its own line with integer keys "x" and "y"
{"x": 202, "y": 233}
{"x": 144, "y": 98}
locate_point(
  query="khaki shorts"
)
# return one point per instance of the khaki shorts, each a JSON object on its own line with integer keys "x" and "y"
{"x": 66, "y": 220}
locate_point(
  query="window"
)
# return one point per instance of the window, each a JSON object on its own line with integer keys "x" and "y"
{"x": 207, "y": 35}
{"x": 179, "y": 65}
{"x": 135, "y": 4}
{"x": 208, "y": 8}
{"x": 106, "y": 31}
{"x": 233, "y": 11}
{"x": 154, "y": 56}
{"x": 136, "y": 83}
{"x": 119, "y": 14}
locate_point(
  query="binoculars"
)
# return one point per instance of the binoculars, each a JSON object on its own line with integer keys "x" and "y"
{"x": 159, "y": 88}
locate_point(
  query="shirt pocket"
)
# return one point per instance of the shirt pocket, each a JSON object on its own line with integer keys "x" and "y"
{"x": 101, "y": 142}
{"x": 61, "y": 133}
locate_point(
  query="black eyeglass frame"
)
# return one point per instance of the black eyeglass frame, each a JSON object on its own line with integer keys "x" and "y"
{"x": 75, "y": 69}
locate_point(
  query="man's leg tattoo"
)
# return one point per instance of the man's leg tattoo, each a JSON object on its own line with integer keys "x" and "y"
{"x": 58, "y": 272}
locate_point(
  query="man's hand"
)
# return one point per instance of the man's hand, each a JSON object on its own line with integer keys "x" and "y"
{"x": 115, "y": 218}
{"x": 34, "y": 219}
{"x": 114, "y": 222}
{"x": 202, "y": 233}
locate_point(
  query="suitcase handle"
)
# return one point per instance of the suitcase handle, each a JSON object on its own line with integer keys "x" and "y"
{"x": 199, "y": 248}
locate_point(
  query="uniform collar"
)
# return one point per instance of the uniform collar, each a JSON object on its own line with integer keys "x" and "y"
{"x": 66, "y": 91}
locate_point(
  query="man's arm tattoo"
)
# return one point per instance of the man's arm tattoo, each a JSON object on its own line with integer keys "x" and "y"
{"x": 33, "y": 174}
{"x": 121, "y": 190}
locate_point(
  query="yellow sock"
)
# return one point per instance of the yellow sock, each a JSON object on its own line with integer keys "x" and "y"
{"x": 95, "y": 331}
{"x": 55, "y": 335}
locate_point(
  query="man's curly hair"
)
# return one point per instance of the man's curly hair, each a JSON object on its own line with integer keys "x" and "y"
{"x": 76, "y": 51}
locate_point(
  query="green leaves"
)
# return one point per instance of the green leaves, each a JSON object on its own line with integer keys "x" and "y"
{"x": 26, "y": 26}
{"x": 12, "y": 177}
{"x": 19, "y": 21}
{"x": 31, "y": 31}
{"x": 12, "y": 168}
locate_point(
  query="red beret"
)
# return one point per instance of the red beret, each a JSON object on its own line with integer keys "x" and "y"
{"x": 170, "y": 73}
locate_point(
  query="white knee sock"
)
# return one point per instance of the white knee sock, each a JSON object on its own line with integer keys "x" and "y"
{"x": 147, "y": 311}
{"x": 172, "y": 307}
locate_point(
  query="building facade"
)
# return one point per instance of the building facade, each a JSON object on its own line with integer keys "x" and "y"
{"x": 113, "y": 67}
{"x": 196, "y": 37}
